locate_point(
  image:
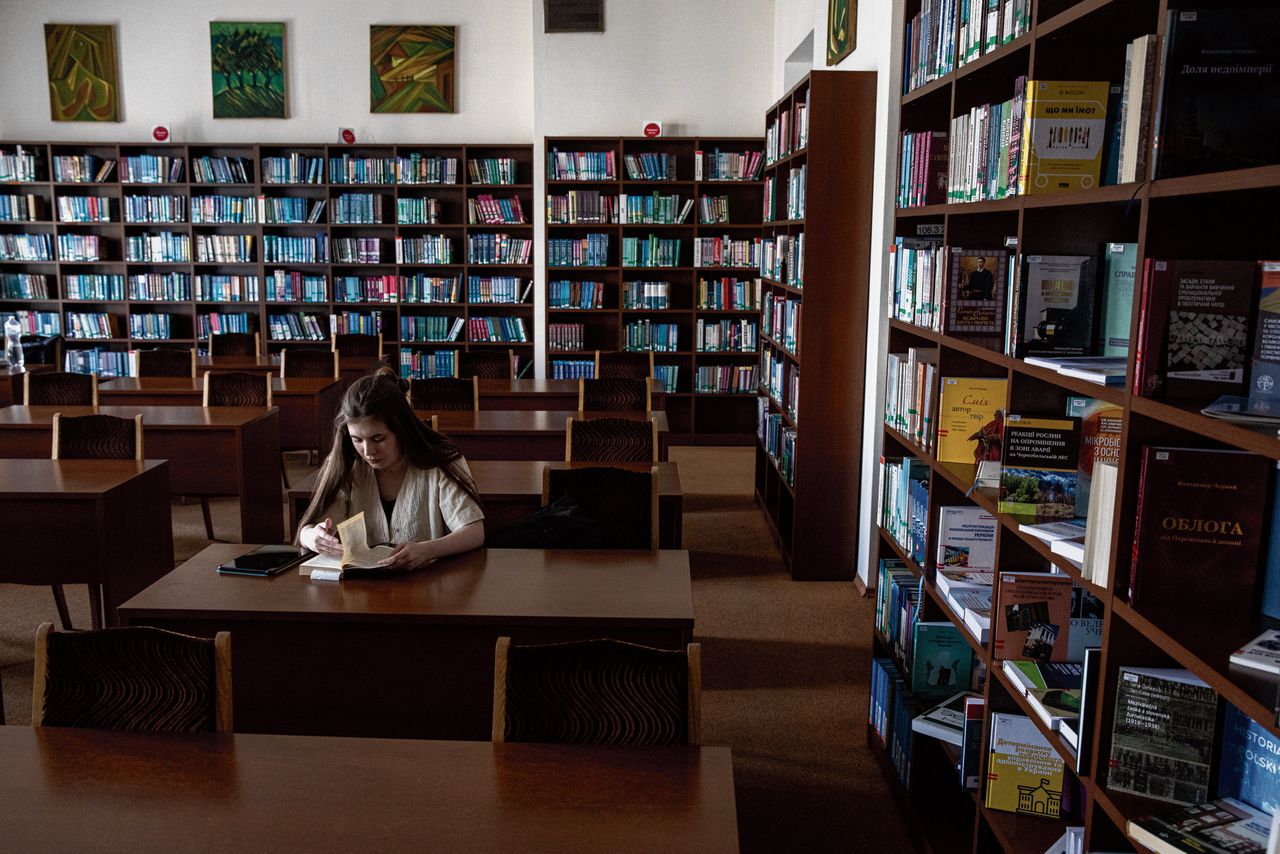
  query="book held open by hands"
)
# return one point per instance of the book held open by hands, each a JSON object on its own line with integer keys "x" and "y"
{"x": 356, "y": 553}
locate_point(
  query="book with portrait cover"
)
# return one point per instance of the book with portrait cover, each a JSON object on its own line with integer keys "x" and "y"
{"x": 1039, "y": 467}
{"x": 971, "y": 419}
{"x": 1057, "y": 302}
{"x": 1199, "y": 531}
{"x": 974, "y": 294}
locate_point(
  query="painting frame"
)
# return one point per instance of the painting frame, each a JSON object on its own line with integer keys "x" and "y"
{"x": 413, "y": 68}
{"x": 256, "y": 48}
{"x": 842, "y": 29}
{"x": 83, "y": 72}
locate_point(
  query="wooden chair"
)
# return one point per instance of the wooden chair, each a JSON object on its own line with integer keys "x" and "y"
{"x": 356, "y": 344}
{"x": 136, "y": 678}
{"x": 309, "y": 363}
{"x": 610, "y": 440}
{"x": 445, "y": 394}
{"x": 597, "y": 692}
{"x": 59, "y": 388}
{"x": 615, "y": 395}
{"x": 233, "y": 388}
{"x": 487, "y": 364}
{"x": 623, "y": 365}
{"x": 93, "y": 437}
{"x": 235, "y": 344}
{"x": 624, "y": 503}
{"x": 166, "y": 362}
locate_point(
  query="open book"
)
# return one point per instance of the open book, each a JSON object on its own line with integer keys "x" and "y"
{"x": 357, "y": 554}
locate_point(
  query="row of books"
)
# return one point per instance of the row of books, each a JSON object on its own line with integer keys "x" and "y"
{"x": 571, "y": 369}
{"x": 651, "y": 251}
{"x": 581, "y": 165}
{"x": 24, "y": 286}
{"x": 498, "y": 249}
{"x": 88, "y": 247}
{"x": 82, "y": 324}
{"x": 28, "y": 208}
{"x": 778, "y": 440}
{"x": 725, "y": 379}
{"x": 418, "y": 364}
{"x": 485, "y": 209}
{"x": 782, "y": 259}
{"x": 589, "y": 251}
{"x": 565, "y": 294}
{"x": 297, "y": 327}
{"x": 781, "y": 380}
{"x": 492, "y": 170}
{"x": 215, "y": 323}
{"x": 224, "y": 248}
{"x": 150, "y": 326}
{"x": 38, "y": 322}
{"x": 781, "y": 320}
{"x": 725, "y": 336}
{"x": 162, "y": 209}
{"x": 648, "y": 335}
{"x": 947, "y": 33}
{"x": 650, "y": 166}
{"x": 428, "y": 249}
{"x": 159, "y": 287}
{"x": 349, "y": 169}
{"x": 787, "y": 133}
{"x": 496, "y": 329}
{"x": 566, "y": 336}
{"x": 717, "y": 165}
{"x": 654, "y": 296}
{"x": 151, "y": 169}
{"x": 278, "y": 248}
{"x": 729, "y": 294}
{"x": 356, "y": 323}
{"x": 727, "y": 252}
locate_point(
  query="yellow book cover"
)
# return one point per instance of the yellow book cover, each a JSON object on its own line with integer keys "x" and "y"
{"x": 1064, "y": 123}
{"x": 971, "y": 419}
{"x": 1024, "y": 773}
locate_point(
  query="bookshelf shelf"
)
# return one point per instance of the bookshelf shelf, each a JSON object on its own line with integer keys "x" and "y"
{"x": 331, "y": 188}
{"x": 1212, "y": 215}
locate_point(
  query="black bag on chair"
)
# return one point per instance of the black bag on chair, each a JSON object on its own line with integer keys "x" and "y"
{"x": 562, "y": 524}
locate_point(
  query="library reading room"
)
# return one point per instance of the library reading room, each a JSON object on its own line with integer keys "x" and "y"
{"x": 402, "y": 446}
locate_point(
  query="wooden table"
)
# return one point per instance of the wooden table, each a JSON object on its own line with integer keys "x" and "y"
{"x": 12, "y": 383}
{"x": 410, "y": 655}
{"x": 539, "y": 394}
{"x": 512, "y": 490}
{"x": 223, "y": 450}
{"x": 100, "y": 791}
{"x": 307, "y": 405}
{"x": 497, "y": 434}
{"x": 105, "y": 523}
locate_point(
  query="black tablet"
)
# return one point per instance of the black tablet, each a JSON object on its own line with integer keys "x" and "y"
{"x": 266, "y": 560}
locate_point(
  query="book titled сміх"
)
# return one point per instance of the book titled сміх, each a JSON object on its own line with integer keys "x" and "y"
{"x": 971, "y": 419}
{"x": 1199, "y": 530}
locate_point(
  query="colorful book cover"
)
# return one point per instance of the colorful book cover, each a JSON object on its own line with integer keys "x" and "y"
{"x": 1119, "y": 272}
{"x": 1086, "y": 623}
{"x": 1249, "y": 768}
{"x": 1039, "y": 467}
{"x": 1219, "y": 105}
{"x": 1056, "y": 306}
{"x": 1101, "y": 428}
{"x": 1199, "y": 531}
{"x": 1264, "y": 374}
{"x": 941, "y": 660}
{"x": 971, "y": 419}
{"x": 1055, "y": 687}
{"x": 1162, "y": 735}
{"x": 1219, "y": 827}
{"x": 975, "y": 293}
{"x": 1033, "y": 616}
{"x": 1024, "y": 773}
{"x": 966, "y": 538}
{"x": 944, "y": 721}
{"x": 1065, "y": 126}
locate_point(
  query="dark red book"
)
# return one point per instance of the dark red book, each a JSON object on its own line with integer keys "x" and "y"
{"x": 1199, "y": 531}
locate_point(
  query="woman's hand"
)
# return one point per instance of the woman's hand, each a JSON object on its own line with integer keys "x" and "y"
{"x": 322, "y": 538}
{"x": 410, "y": 556}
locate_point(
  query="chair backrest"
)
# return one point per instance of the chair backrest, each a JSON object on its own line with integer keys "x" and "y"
{"x": 623, "y": 364}
{"x": 623, "y": 503}
{"x": 237, "y": 388}
{"x": 487, "y": 364}
{"x": 445, "y": 394}
{"x": 615, "y": 395}
{"x": 597, "y": 692}
{"x": 41, "y": 349}
{"x": 234, "y": 344}
{"x": 165, "y": 362}
{"x": 59, "y": 388}
{"x": 309, "y": 363}
{"x": 136, "y": 678}
{"x": 97, "y": 437}
{"x": 610, "y": 440}
{"x": 357, "y": 344}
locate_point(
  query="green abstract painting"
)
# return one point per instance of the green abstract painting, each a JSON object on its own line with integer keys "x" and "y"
{"x": 247, "y": 60}
{"x": 842, "y": 17}
{"x": 83, "y": 85}
{"x": 412, "y": 69}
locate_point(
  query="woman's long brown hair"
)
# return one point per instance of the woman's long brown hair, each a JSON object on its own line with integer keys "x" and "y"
{"x": 381, "y": 395}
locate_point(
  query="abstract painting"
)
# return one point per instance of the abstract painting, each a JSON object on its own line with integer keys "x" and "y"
{"x": 247, "y": 60}
{"x": 412, "y": 69}
{"x": 83, "y": 83}
{"x": 842, "y": 17}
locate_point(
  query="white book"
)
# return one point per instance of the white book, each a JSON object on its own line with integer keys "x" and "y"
{"x": 1096, "y": 565}
{"x": 1050, "y": 531}
{"x": 1261, "y": 653}
{"x": 1072, "y": 550}
{"x": 949, "y": 580}
{"x": 966, "y": 538}
{"x": 944, "y": 721}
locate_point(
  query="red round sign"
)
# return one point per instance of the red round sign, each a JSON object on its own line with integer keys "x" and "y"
{"x": 348, "y": 135}
{"x": 160, "y": 133}
{"x": 653, "y": 129}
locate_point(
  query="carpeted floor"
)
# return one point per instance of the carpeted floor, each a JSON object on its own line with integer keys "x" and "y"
{"x": 784, "y": 666}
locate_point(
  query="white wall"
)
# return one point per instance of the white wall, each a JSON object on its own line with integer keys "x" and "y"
{"x": 877, "y": 34}
{"x": 163, "y": 60}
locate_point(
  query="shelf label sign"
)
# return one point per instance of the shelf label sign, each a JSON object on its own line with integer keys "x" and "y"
{"x": 652, "y": 129}
{"x": 929, "y": 229}
{"x": 347, "y": 135}
{"x": 160, "y": 133}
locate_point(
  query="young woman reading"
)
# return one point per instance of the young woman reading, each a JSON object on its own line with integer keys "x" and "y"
{"x": 412, "y": 483}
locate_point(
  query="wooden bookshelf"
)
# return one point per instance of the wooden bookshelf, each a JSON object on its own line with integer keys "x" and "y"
{"x": 1219, "y": 215}
{"x": 813, "y": 514}
{"x": 340, "y": 224}
{"x": 700, "y": 414}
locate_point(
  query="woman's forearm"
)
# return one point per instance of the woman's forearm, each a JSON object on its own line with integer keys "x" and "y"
{"x": 464, "y": 539}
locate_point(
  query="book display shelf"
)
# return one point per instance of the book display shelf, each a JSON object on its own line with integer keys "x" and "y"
{"x": 653, "y": 245}
{"x": 815, "y": 264}
{"x": 1221, "y": 215}
{"x": 121, "y": 246}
